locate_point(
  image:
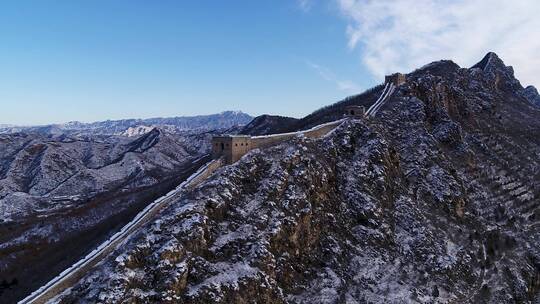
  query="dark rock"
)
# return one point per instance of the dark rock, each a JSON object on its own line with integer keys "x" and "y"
{"x": 268, "y": 124}
{"x": 531, "y": 94}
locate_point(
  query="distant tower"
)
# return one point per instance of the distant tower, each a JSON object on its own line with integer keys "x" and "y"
{"x": 355, "y": 111}
{"x": 396, "y": 78}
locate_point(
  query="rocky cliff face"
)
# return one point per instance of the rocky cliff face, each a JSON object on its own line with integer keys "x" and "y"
{"x": 436, "y": 200}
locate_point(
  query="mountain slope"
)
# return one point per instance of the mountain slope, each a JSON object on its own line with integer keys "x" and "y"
{"x": 261, "y": 126}
{"x": 435, "y": 200}
{"x": 531, "y": 94}
{"x": 490, "y": 64}
{"x": 268, "y": 124}
{"x": 59, "y": 197}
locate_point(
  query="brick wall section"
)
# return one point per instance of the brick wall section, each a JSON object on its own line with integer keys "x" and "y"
{"x": 322, "y": 131}
{"x": 213, "y": 166}
{"x": 240, "y": 146}
{"x": 272, "y": 140}
{"x": 233, "y": 147}
{"x": 265, "y": 142}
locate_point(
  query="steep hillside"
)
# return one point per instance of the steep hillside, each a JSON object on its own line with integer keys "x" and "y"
{"x": 263, "y": 125}
{"x": 36, "y": 166}
{"x": 435, "y": 200}
{"x": 60, "y": 196}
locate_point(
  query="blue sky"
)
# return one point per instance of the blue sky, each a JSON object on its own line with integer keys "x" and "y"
{"x": 96, "y": 60}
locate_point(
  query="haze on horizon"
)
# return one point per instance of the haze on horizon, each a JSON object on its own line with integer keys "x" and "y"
{"x": 90, "y": 61}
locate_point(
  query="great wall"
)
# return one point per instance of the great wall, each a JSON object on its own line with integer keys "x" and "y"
{"x": 233, "y": 147}
{"x": 226, "y": 149}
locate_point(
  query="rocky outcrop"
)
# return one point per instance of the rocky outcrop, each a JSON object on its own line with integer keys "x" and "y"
{"x": 501, "y": 76}
{"x": 531, "y": 94}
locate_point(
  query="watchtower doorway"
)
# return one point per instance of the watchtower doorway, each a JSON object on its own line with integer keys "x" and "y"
{"x": 354, "y": 111}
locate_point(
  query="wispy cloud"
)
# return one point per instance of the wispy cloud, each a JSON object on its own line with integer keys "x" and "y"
{"x": 347, "y": 86}
{"x": 400, "y": 35}
{"x": 305, "y": 5}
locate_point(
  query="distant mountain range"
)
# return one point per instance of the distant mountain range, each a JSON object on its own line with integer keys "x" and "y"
{"x": 133, "y": 127}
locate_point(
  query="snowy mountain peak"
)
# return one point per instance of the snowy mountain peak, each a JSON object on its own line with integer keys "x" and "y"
{"x": 137, "y": 130}
{"x": 531, "y": 94}
{"x": 490, "y": 61}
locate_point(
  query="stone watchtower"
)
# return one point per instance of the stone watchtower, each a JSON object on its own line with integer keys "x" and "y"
{"x": 355, "y": 111}
{"x": 232, "y": 147}
{"x": 397, "y": 79}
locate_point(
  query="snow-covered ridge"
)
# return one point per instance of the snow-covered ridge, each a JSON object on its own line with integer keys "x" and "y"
{"x": 136, "y": 131}
{"x": 300, "y": 132}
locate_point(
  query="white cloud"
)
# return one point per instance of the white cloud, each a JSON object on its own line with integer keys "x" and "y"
{"x": 401, "y": 35}
{"x": 343, "y": 85}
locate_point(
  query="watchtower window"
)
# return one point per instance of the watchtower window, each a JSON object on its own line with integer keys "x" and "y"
{"x": 236, "y": 145}
{"x": 352, "y": 112}
{"x": 222, "y": 146}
